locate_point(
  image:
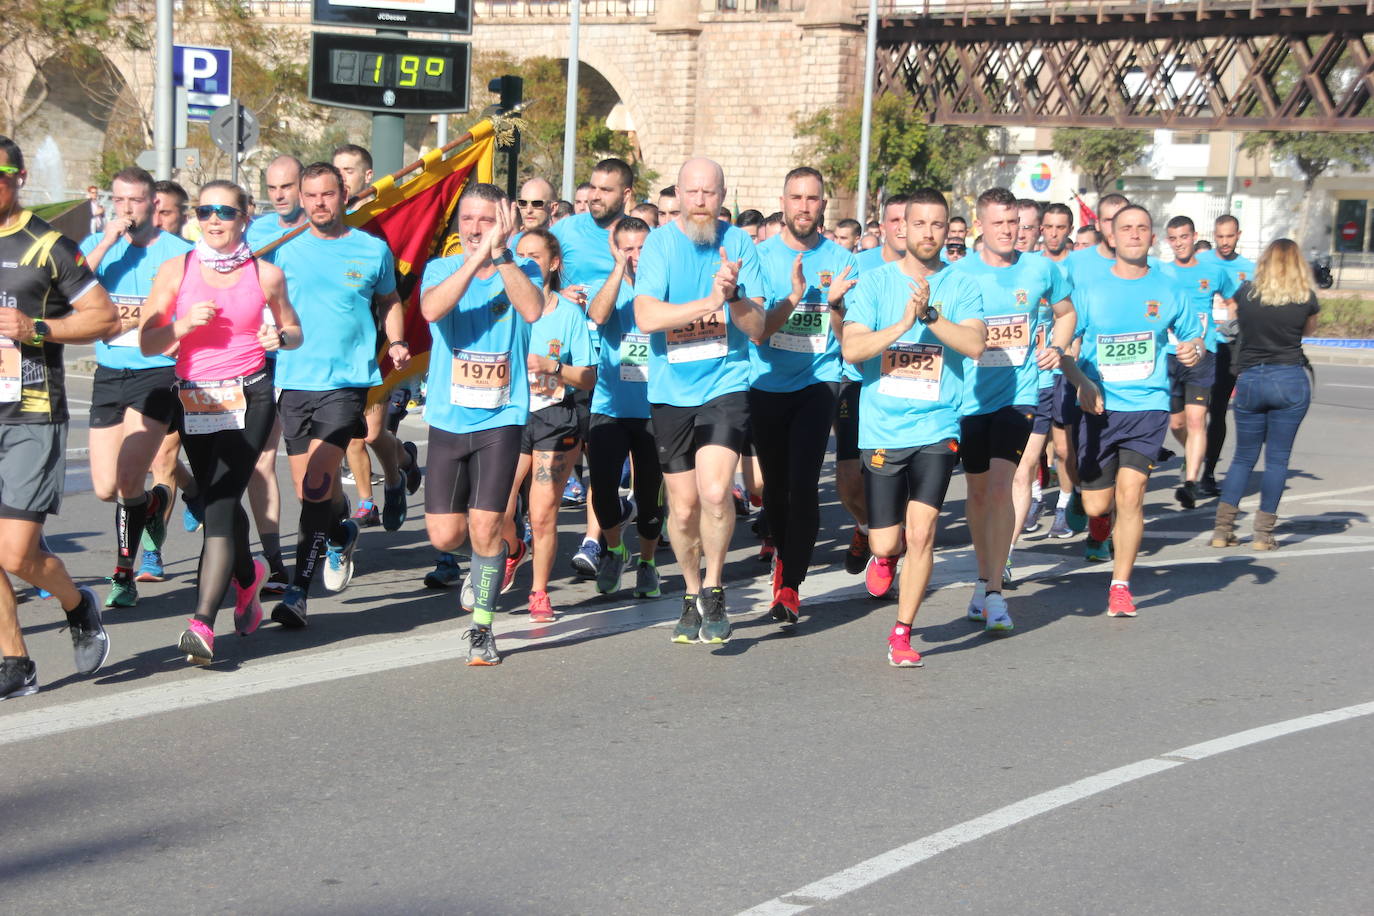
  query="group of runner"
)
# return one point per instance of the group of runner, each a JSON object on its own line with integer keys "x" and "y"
{"x": 660, "y": 349}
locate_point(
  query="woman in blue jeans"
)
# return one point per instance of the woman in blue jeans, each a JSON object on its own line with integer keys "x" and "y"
{"x": 1274, "y": 311}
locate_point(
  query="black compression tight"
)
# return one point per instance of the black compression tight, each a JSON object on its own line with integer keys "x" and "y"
{"x": 609, "y": 441}
{"x": 790, "y": 432}
{"x": 221, "y": 463}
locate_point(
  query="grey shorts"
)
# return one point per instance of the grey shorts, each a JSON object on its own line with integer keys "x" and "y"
{"x": 33, "y": 469}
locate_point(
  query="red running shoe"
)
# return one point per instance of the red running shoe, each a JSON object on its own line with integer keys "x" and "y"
{"x": 540, "y": 609}
{"x": 1119, "y": 602}
{"x": 879, "y": 575}
{"x": 787, "y": 606}
{"x": 899, "y": 651}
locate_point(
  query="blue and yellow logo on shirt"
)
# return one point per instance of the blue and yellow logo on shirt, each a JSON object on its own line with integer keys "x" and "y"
{"x": 1022, "y": 297}
{"x": 1204, "y": 284}
{"x": 353, "y": 276}
{"x": 499, "y": 306}
{"x": 1151, "y": 309}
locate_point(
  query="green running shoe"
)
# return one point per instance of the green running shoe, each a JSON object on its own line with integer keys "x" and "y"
{"x": 688, "y": 627}
{"x": 123, "y": 592}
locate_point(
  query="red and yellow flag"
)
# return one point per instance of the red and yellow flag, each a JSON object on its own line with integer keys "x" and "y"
{"x": 413, "y": 219}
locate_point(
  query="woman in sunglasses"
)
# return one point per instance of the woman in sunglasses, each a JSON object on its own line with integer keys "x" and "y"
{"x": 210, "y": 309}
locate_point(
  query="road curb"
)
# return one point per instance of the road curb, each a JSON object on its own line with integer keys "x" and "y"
{"x": 1339, "y": 356}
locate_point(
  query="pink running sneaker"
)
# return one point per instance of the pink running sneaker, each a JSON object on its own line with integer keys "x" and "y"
{"x": 879, "y": 575}
{"x": 1119, "y": 602}
{"x": 512, "y": 564}
{"x": 540, "y": 609}
{"x": 247, "y": 606}
{"x": 899, "y": 651}
{"x": 198, "y": 642}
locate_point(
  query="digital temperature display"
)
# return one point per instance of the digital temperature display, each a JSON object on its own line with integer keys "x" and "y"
{"x": 381, "y": 73}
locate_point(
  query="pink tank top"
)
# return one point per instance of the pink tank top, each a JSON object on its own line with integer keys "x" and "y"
{"x": 228, "y": 346}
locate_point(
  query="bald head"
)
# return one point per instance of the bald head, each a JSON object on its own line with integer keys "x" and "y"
{"x": 700, "y": 193}
{"x": 284, "y": 187}
{"x": 535, "y": 204}
{"x": 701, "y": 172}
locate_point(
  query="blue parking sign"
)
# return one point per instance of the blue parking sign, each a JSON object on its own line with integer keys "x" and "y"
{"x": 206, "y": 75}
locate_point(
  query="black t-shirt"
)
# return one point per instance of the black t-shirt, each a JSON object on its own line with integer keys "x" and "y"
{"x": 1270, "y": 334}
{"x": 41, "y": 273}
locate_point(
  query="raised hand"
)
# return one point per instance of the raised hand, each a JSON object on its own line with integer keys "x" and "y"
{"x": 840, "y": 286}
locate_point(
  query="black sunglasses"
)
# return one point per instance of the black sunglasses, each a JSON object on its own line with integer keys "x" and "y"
{"x": 223, "y": 211}
{"x": 526, "y": 204}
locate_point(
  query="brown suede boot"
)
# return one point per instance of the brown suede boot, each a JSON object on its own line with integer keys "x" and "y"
{"x": 1263, "y": 538}
{"x": 1224, "y": 535}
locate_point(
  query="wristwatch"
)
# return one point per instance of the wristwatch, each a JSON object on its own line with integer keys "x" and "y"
{"x": 40, "y": 333}
{"x": 504, "y": 257}
{"x": 281, "y": 338}
{"x": 398, "y": 343}
{"x": 737, "y": 296}
{"x": 931, "y": 316}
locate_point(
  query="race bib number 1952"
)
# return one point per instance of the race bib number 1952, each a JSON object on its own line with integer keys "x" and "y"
{"x": 912, "y": 371}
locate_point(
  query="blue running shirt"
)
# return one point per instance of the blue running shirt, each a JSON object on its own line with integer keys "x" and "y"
{"x": 1007, "y": 374}
{"x": 691, "y": 365}
{"x": 622, "y": 375}
{"x": 913, "y": 392}
{"x": 331, "y": 283}
{"x": 804, "y": 350}
{"x": 1200, "y": 283}
{"x": 561, "y": 334}
{"x": 127, "y": 273}
{"x": 477, "y": 376}
{"x": 1125, "y": 326}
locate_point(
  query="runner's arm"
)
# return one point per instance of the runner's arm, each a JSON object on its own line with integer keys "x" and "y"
{"x": 393, "y": 313}
{"x": 443, "y": 297}
{"x": 782, "y": 309}
{"x": 1061, "y": 336}
{"x": 524, "y": 297}
{"x": 656, "y": 315}
{"x": 603, "y": 303}
{"x": 274, "y": 290}
{"x": 93, "y": 317}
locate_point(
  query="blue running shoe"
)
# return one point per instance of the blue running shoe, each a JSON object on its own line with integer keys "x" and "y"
{"x": 150, "y": 570}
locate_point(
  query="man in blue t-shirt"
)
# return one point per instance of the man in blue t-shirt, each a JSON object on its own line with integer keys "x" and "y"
{"x": 479, "y": 305}
{"x": 1225, "y": 236}
{"x": 911, "y": 327}
{"x": 585, "y": 240}
{"x": 1002, "y": 388}
{"x": 132, "y": 398}
{"x": 1191, "y": 386}
{"x": 698, "y": 296}
{"x": 1125, "y": 319}
{"x": 796, "y": 376}
{"x": 335, "y": 277}
{"x": 284, "y": 191}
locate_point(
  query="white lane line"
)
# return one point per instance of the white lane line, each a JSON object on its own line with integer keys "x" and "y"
{"x": 1344, "y": 385}
{"x": 890, "y": 863}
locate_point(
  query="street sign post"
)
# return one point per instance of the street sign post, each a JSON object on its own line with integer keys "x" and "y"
{"x": 235, "y": 130}
{"x": 207, "y": 76}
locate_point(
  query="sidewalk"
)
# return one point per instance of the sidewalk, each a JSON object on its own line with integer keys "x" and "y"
{"x": 1339, "y": 356}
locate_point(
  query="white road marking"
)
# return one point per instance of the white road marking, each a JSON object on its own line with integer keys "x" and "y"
{"x": 896, "y": 860}
{"x": 1344, "y": 385}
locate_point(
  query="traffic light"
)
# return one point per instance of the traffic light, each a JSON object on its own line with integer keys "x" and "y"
{"x": 510, "y": 89}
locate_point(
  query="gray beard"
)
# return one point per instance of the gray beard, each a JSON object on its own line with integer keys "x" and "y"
{"x": 700, "y": 233}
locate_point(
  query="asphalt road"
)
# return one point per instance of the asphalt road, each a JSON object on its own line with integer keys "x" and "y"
{"x": 1187, "y": 761}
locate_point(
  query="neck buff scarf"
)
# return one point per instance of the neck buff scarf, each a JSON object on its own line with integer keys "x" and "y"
{"x": 223, "y": 262}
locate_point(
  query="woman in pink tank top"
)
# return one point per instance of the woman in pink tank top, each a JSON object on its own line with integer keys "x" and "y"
{"x": 209, "y": 309}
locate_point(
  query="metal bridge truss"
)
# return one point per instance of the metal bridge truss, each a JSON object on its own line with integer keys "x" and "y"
{"x": 1242, "y": 67}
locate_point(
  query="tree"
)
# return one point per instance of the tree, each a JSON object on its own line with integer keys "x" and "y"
{"x": 906, "y": 152}
{"x": 34, "y": 32}
{"x": 541, "y": 134}
{"x": 1101, "y": 155}
{"x": 1313, "y": 153}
